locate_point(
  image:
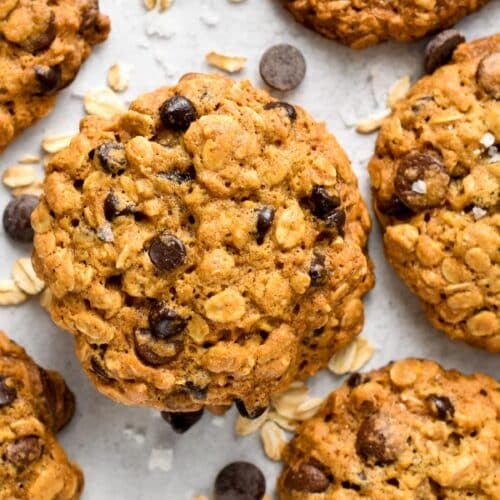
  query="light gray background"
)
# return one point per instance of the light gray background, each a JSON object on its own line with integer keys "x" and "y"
{"x": 341, "y": 86}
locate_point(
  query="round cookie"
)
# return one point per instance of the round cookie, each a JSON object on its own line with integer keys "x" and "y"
{"x": 42, "y": 46}
{"x": 34, "y": 405}
{"x": 363, "y": 23}
{"x": 408, "y": 430}
{"x": 436, "y": 184}
{"x": 205, "y": 247}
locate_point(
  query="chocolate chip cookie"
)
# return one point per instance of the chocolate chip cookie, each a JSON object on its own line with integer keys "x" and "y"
{"x": 205, "y": 247}
{"x": 34, "y": 405}
{"x": 42, "y": 46}
{"x": 408, "y": 430}
{"x": 361, "y": 23}
{"x": 436, "y": 184}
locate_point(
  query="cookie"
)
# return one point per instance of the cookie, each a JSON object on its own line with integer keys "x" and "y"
{"x": 205, "y": 247}
{"x": 34, "y": 405}
{"x": 436, "y": 184}
{"x": 408, "y": 430}
{"x": 42, "y": 46}
{"x": 362, "y": 23}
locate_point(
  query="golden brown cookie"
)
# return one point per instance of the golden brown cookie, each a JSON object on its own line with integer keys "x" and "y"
{"x": 34, "y": 405}
{"x": 436, "y": 183}
{"x": 204, "y": 247}
{"x": 409, "y": 430}
{"x": 42, "y": 46}
{"x": 361, "y": 23}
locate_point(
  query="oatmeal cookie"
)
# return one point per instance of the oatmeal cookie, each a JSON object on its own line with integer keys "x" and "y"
{"x": 361, "y": 23}
{"x": 206, "y": 246}
{"x": 34, "y": 405}
{"x": 42, "y": 46}
{"x": 436, "y": 184}
{"x": 408, "y": 430}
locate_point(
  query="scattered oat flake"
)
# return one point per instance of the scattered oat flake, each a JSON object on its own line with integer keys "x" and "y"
{"x": 287, "y": 424}
{"x": 165, "y": 4}
{"x": 11, "y": 294}
{"x": 352, "y": 357}
{"x": 372, "y": 122}
{"x": 419, "y": 186}
{"x": 103, "y": 102}
{"x": 54, "y": 143}
{"x": 398, "y": 91}
{"x": 273, "y": 440}
{"x": 487, "y": 140}
{"x": 25, "y": 278}
{"x": 34, "y": 189}
{"x": 119, "y": 77}
{"x": 19, "y": 176}
{"x": 26, "y": 159}
{"x": 150, "y": 4}
{"x": 286, "y": 403}
{"x": 364, "y": 352}
{"x": 245, "y": 426}
{"x": 161, "y": 458}
{"x": 309, "y": 408}
{"x": 231, "y": 64}
{"x": 200, "y": 497}
{"x": 45, "y": 298}
{"x": 137, "y": 435}
{"x": 478, "y": 212}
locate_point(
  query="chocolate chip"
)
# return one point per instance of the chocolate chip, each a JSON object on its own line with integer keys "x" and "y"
{"x": 24, "y": 451}
{"x": 488, "y": 75}
{"x": 199, "y": 393}
{"x": 181, "y": 422}
{"x": 240, "y": 481}
{"x": 394, "y": 207}
{"x": 154, "y": 352}
{"x": 111, "y": 156}
{"x": 251, "y": 414}
{"x": 283, "y": 67}
{"x": 180, "y": 177}
{"x": 307, "y": 478}
{"x": 440, "y": 49}
{"x": 372, "y": 441}
{"x": 17, "y": 218}
{"x": 98, "y": 369}
{"x": 41, "y": 41}
{"x": 336, "y": 220}
{"x": 165, "y": 323}
{"x": 114, "y": 207}
{"x": 354, "y": 380}
{"x": 167, "y": 252}
{"x": 178, "y": 113}
{"x": 290, "y": 110}
{"x": 322, "y": 203}
{"x": 7, "y": 394}
{"x": 318, "y": 271}
{"x": 48, "y": 78}
{"x": 421, "y": 181}
{"x": 441, "y": 406}
{"x": 265, "y": 218}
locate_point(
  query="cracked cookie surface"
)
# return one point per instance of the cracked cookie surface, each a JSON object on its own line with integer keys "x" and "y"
{"x": 436, "y": 184}
{"x": 409, "y": 430}
{"x": 361, "y": 23}
{"x": 34, "y": 405}
{"x": 42, "y": 46}
{"x": 205, "y": 247}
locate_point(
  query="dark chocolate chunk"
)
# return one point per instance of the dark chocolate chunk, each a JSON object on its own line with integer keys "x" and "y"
{"x": 112, "y": 157}
{"x": 48, "y": 78}
{"x": 322, "y": 203}
{"x": 180, "y": 176}
{"x": 251, "y": 414}
{"x": 177, "y": 113}
{"x": 283, "y": 67}
{"x": 154, "y": 352}
{"x": 240, "y": 481}
{"x": 181, "y": 422}
{"x": 17, "y": 218}
{"x": 7, "y": 394}
{"x": 290, "y": 110}
{"x": 440, "y": 49}
{"x": 165, "y": 323}
{"x": 372, "y": 441}
{"x": 488, "y": 75}
{"x": 43, "y": 40}
{"x": 318, "y": 271}
{"x": 167, "y": 252}
{"x": 308, "y": 478}
{"x": 265, "y": 218}
{"x": 24, "y": 451}
{"x": 441, "y": 406}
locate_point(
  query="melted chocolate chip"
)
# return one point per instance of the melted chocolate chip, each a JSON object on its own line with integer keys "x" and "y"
{"x": 48, "y": 78}
{"x": 181, "y": 422}
{"x": 354, "y": 380}
{"x": 178, "y": 113}
{"x": 251, "y": 414}
{"x": 421, "y": 181}
{"x": 24, "y": 451}
{"x": 265, "y": 218}
{"x": 336, "y": 220}
{"x": 154, "y": 352}
{"x": 290, "y": 110}
{"x": 308, "y": 478}
{"x": 180, "y": 177}
{"x": 318, "y": 271}
{"x": 322, "y": 203}
{"x": 440, "y": 49}
{"x": 442, "y": 407}
{"x": 372, "y": 441}
{"x": 394, "y": 207}
{"x": 7, "y": 394}
{"x": 17, "y": 218}
{"x": 167, "y": 252}
{"x": 240, "y": 481}
{"x": 488, "y": 75}
{"x": 111, "y": 156}
{"x": 165, "y": 323}
{"x": 41, "y": 41}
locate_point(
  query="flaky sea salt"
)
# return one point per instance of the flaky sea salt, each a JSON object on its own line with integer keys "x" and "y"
{"x": 161, "y": 458}
{"x": 419, "y": 187}
{"x": 494, "y": 154}
{"x": 487, "y": 140}
{"x": 137, "y": 435}
{"x": 478, "y": 212}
